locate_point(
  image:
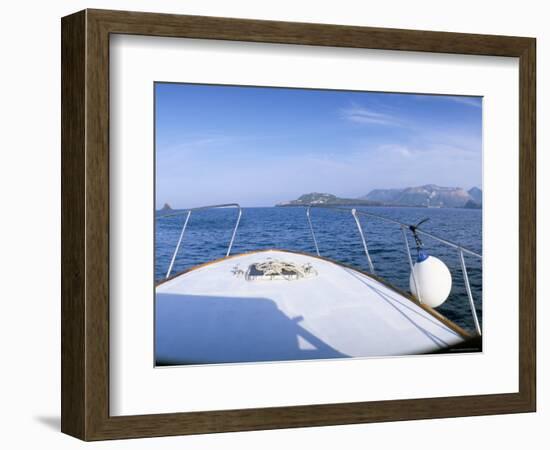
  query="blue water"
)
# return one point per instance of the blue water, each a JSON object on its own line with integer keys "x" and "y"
{"x": 209, "y": 232}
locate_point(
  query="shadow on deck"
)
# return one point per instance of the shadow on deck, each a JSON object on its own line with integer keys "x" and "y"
{"x": 195, "y": 329}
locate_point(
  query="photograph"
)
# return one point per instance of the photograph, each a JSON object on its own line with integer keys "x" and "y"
{"x": 310, "y": 224}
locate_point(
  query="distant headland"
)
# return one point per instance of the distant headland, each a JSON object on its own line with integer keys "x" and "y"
{"x": 166, "y": 208}
{"x": 429, "y": 196}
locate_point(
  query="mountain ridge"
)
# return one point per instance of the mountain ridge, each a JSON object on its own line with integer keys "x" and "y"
{"x": 428, "y": 195}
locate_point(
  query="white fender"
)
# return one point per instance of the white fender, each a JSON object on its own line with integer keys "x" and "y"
{"x": 433, "y": 278}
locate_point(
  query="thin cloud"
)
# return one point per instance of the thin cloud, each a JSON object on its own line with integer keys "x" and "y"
{"x": 470, "y": 101}
{"x": 360, "y": 114}
{"x": 473, "y": 101}
{"x": 201, "y": 143}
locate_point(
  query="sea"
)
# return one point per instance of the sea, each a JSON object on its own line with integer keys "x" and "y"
{"x": 209, "y": 232}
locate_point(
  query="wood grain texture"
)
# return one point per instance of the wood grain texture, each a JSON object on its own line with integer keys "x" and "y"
{"x": 201, "y": 27}
{"x": 85, "y": 224}
{"x": 527, "y": 224}
{"x": 72, "y": 224}
{"x": 97, "y": 225}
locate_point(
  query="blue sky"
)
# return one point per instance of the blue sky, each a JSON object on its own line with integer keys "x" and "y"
{"x": 259, "y": 146}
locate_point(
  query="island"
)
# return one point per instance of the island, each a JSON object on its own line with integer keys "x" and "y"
{"x": 166, "y": 209}
{"x": 316, "y": 198}
{"x": 427, "y": 196}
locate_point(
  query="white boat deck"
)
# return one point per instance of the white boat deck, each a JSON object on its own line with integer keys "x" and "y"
{"x": 211, "y": 315}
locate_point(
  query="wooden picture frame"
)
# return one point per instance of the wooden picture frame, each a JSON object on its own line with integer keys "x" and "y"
{"x": 85, "y": 224}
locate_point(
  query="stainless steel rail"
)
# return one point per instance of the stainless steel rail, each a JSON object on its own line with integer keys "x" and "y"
{"x": 187, "y": 213}
{"x": 411, "y": 265}
{"x": 360, "y": 228}
{"x": 312, "y": 232}
{"x": 404, "y": 227}
{"x": 356, "y": 216}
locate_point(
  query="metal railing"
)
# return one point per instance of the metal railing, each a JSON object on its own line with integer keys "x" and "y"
{"x": 404, "y": 227}
{"x": 187, "y": 213}
{"x": 356, "y": 216}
